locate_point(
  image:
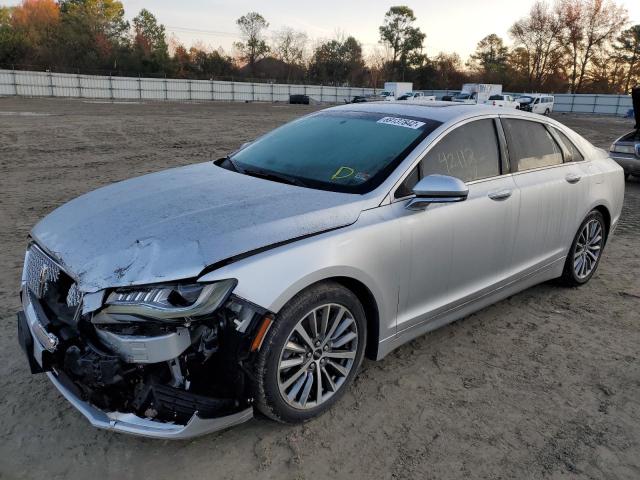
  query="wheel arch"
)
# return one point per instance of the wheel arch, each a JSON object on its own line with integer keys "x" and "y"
{"x": 607, "y": 218}
{"x": 372, "y": 314}
{"x": 369, "y": 304}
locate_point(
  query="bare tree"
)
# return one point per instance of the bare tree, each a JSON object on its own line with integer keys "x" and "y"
{"x": 572, "y": 12}
{"x": 587, "y": 26}
{"x": 377, "y": 61}
{"x": 290, "y": 47}
{"x": 539, "y": 36}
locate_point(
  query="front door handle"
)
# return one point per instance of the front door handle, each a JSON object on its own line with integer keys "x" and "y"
{"x": 572, "y": 178}
{"x": 500, "y": 195}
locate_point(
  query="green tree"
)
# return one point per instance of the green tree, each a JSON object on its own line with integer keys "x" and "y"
{"x": 338, "y": 62}
{"x": 404, "y": 40}
{"x": 150, "y": 48}
{"x": 491, "y": 57}
{"x": 93, "y": 33}
{"x": 253, "y": 47}
{"x": 209, "y": 64}
{"x": 28, "y": 33}
{"x": 13, "y": 45}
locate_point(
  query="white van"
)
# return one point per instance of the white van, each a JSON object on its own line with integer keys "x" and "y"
{"x": 536, "y": 103}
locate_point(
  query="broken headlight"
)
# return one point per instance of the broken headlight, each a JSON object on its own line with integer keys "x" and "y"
{"x": 171, "y": 302}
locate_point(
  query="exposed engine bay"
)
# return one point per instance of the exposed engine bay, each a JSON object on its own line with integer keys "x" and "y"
{"x": 162, "y": 369}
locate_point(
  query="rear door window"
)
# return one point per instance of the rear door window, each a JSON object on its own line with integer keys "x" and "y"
{"x": 469, "y": 152}
{"x": 530, "y": 145}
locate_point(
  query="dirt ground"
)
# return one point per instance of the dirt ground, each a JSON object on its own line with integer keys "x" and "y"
{"x": 545, "y": 384}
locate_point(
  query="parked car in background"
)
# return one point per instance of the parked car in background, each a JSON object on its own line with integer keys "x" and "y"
{"x": 542, "y": 104}
{"x": 173, "y": 304}
{"x": 626, "y": 149}
{"x": 417, "y": 97}
{"x": 367, "y": 98}
{"x": 501, "y": 100}
{"x": 465, "y": 97}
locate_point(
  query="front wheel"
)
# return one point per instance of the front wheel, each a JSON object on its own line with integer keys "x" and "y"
{"x": 586, "y": 251}
{"x": 547, "y": 112}
{"x": 311, "y": 354}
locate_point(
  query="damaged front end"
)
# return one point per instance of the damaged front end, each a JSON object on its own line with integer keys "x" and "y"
{"x": 166, "y": 361}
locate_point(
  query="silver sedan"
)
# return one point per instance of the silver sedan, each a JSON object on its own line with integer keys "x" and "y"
{"x": 174, "y": 304}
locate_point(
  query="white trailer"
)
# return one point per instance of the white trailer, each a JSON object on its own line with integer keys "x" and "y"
{"x": 393, "y": 90}
{"x": 477, "y": 92}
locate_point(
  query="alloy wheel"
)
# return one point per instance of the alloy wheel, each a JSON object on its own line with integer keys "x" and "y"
{"x": 318, "y": 356}
{"x": 588, "y": 249}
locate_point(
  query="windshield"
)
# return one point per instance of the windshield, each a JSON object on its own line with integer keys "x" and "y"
{"x": 462, "y": 96}
{"x": 525, "y": 99}
{"x": 340, "y": 151}
{"x": 495, "y": 97}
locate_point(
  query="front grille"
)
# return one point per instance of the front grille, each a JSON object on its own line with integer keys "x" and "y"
{"x": 41, "y": 271}
{"x": 49, "y": 283}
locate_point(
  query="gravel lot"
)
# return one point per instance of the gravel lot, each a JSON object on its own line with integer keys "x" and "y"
{"x": 545, "y": 384}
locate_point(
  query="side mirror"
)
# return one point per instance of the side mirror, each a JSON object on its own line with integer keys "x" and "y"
{"x": 437, "y": 189}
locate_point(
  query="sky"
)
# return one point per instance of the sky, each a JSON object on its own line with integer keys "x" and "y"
{"x": 453, "y": 26}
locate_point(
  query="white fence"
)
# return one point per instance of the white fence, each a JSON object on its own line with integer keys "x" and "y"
{"x": 46, "y": 84}
{"x": 576, "y": 103}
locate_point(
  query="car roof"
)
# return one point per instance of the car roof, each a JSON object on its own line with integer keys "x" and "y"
{"x": 437, "y": 110}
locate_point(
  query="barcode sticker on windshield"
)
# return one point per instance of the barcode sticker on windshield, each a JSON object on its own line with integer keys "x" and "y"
{"x": 401, "y": 122}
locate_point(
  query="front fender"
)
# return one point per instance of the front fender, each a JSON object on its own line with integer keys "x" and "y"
{"x": 367, "y": 251}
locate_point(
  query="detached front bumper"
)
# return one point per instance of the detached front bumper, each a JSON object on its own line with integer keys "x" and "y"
{"x": 38, "y": 344}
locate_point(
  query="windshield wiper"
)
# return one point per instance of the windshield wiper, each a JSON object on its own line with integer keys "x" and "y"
{"x": 276, "y": 177}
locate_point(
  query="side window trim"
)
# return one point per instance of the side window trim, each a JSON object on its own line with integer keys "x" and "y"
{"x": 558, "y": 143}
{"x": 566, "y": 156}
{"x": 505, "y": 164}
{"x": 554, "y": 133}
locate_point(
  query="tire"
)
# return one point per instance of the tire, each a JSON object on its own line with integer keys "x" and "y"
{"x": 575, "y": 272}
{"x": 547, "y": 112}
{"x": 325, "y": 302}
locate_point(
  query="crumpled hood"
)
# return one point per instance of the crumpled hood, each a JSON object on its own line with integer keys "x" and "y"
{"x": 172, "y": 224}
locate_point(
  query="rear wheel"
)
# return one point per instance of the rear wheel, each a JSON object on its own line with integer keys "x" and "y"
{"x": 311, "y": 354}
{"x": 586, "y": 251}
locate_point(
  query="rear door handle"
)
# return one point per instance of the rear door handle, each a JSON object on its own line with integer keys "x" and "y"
{"x": 500, "y": 195}
{"x": 572, "y": 178}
